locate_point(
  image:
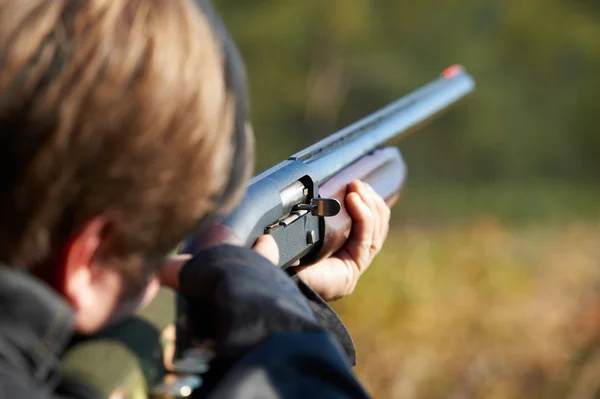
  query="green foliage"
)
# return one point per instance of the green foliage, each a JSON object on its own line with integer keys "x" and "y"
{"x": 316, "y": 65}
{"x": 539, "y": 204}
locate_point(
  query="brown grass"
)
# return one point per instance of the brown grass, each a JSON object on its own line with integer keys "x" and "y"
{"x": 482, "y": 311}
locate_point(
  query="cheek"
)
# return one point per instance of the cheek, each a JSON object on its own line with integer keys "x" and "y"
{"x": 151, "y": 291}
{"x": 96, "y": 303}
{"x": 127, "y": 307}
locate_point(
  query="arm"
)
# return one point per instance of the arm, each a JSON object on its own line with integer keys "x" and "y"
{"x": 364, "y": 226}
{"x": 266, "y": 338}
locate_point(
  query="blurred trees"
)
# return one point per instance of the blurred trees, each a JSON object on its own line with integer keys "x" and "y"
{"x": 317, "y": 65}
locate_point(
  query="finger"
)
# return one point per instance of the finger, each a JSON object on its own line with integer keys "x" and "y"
{"x": 361, "y": 215}
{"x": 369, "y": 196}
{"x": 384, "y": 212}
{"x": 267, "y": 247}
{"x": 361, "y": 189}
{"x": 359, "y": 243}
{"x": 170, "y": 268}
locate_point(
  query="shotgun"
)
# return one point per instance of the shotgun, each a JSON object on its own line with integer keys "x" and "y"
{"x": 299, "y": 201}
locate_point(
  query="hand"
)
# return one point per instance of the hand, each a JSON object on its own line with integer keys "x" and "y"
{"x": 336, "y": 276}
{"x": 169, "y": 271}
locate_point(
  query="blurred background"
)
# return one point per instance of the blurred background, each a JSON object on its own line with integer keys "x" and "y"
{"x": 489, "y": 284}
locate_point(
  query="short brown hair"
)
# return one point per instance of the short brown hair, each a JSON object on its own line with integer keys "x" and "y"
{"x": 135, "y": 108}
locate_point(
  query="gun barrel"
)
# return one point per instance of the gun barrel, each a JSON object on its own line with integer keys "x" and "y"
{"x": 330, "y": 155}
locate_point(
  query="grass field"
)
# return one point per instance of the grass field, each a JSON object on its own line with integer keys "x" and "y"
{"x": 481, "y": 310}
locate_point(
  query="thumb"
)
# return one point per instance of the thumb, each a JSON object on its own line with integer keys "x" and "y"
{"x": 169, "y": 271}
{"x": 267, "y": 247}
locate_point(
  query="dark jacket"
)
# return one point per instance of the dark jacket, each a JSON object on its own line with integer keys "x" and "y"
{"x": 271, "y": 337}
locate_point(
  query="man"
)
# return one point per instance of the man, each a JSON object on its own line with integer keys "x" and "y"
{"x": 123, "y": 128}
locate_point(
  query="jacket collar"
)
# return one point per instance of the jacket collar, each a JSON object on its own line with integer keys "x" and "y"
{"x": 35, "y": 323}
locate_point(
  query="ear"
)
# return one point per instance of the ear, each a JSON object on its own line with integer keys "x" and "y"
{"x": 78, "y": 256}
{"x": 92, "y": 288}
